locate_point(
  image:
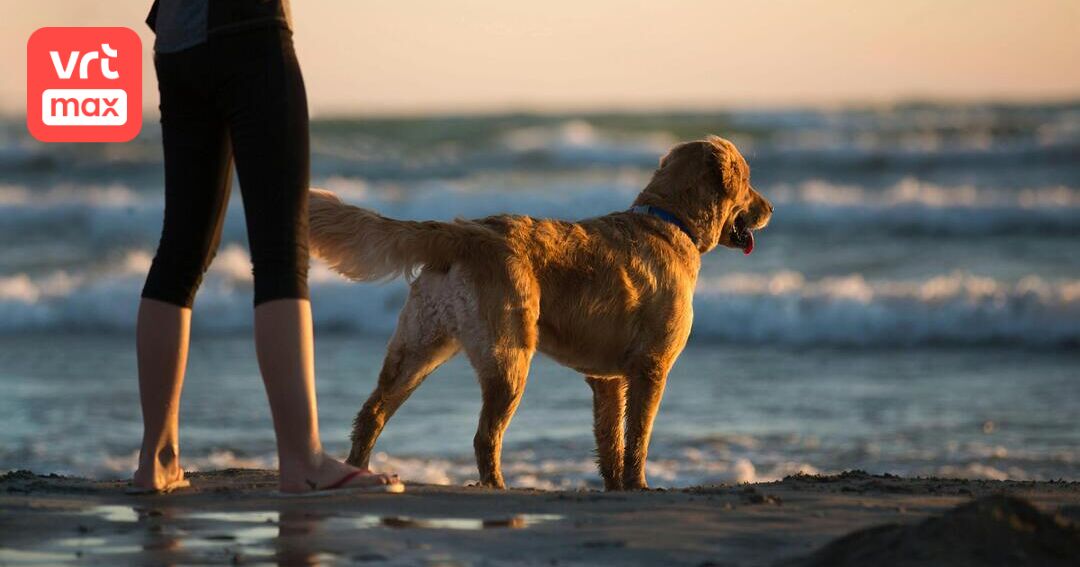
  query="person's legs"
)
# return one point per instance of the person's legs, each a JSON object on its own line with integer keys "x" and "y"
{"x": 266, "y": 109}
{"x": 161, "y": 346}
{"x": 285, "y": 348}
{"x": 197, "y": 171}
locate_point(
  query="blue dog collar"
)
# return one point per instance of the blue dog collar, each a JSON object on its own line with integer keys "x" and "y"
{"x": 664, "y": 215}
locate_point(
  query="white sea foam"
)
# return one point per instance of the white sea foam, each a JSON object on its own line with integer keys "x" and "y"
{"x": 114, "y": 195}
{"x": 117, "y": 217}
{"x": 528, "y": 469}
{"x": 121, "y": 466}
{"x": 912, "y": 192}
{"x": 779, "y": 308}
{"x": 917, "y": 207}
{"x": 959, "y": 308}
{"x": 522, "y": 468}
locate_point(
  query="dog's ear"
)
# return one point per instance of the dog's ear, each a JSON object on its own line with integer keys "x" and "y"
{"x": 721, "y": 157}
{"x": 681, "y": 151}
{"x": 664, "y": 159}
{"x": 717, "y": 141}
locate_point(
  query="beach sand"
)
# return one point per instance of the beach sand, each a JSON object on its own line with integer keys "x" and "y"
{"x": 233, "y": 516}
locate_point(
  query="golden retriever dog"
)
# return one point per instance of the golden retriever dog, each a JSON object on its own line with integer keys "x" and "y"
{"x": 610, "y": 297}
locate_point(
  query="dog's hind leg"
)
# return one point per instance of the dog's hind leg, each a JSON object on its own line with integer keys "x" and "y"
{"x": 496, "y": 313}
{"x": 420, "y": 344}
{"x": 500, "y": 354}
{"x": 609, "y": 413}
{"x": 502, "y": 382}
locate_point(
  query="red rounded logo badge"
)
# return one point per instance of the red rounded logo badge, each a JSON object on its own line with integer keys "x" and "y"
{"x": 84, "y": 84}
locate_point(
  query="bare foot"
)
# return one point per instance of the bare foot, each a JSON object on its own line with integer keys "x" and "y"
{"x": 162, "y": 474}
{"x": 327, "y": 473}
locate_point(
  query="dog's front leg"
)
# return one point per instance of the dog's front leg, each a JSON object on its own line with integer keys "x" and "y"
{"x": 609, "y": 414}
{"x": 643, "y": 400}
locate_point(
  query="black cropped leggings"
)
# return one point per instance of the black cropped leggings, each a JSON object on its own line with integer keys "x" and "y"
{"x": 239, "y": 97}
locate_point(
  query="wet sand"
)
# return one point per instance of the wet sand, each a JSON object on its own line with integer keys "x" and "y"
{"x": 232, "y": 516}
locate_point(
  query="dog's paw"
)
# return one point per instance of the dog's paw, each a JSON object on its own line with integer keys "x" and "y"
{"x": 499, "y": 485}
{"x": 612, "y": 485}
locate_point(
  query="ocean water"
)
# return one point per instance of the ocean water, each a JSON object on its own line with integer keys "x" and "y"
{"x": 913, "y": 308}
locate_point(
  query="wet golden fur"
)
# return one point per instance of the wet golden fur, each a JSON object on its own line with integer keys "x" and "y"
{"x": 608, "y": 296}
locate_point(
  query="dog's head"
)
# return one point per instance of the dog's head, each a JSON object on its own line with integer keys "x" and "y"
{"x": 706, "y": 185}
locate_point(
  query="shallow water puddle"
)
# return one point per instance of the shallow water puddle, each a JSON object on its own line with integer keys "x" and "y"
{"x": 111, "y": 513}
{"x": 255, "y": 534}
{"x": 249, "y": 536}
{"x": 80, "y": 541}
{"x": 518, "y": 521}
{"x": 21, "y": 557}
{"x": 256, "y": 517}
{"x": 98, "y": 545}
{"x": 274, "y": 520}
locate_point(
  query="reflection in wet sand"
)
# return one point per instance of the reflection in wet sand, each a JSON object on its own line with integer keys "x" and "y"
{"x": 513, "y": 522}
{"x": 115, "y": 513}
{"x": 287, "y": 537}
{"x": 297, "y": 541}
{"x": 250, "y": 517}
{"x": 24, "y": 557}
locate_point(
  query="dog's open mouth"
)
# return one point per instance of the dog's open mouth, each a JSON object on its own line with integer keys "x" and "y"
{"x": 741, "y": 235}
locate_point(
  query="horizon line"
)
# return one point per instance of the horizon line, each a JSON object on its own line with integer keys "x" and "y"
{"x": 485, "y": 110}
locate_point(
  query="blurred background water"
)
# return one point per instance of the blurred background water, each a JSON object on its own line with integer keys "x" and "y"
{"x": 913, "y": 308}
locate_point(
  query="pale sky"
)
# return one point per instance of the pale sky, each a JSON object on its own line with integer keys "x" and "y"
{"x": 407, "y": 56}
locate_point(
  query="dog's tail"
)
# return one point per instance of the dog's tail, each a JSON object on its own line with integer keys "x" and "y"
{"x": 363, "y": 245}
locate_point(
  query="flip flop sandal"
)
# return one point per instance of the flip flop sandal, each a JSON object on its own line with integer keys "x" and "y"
{"x": 340, "y": 488}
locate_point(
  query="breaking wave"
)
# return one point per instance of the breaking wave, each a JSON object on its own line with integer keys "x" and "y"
{"x": 115, "y": 216}
{"x": 779, "y": 308}
{"x": 708, "y": 460}
{"x": 956, "y": 308}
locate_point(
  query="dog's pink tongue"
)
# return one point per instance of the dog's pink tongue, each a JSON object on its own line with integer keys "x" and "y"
{"x": 749, "y": 243}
